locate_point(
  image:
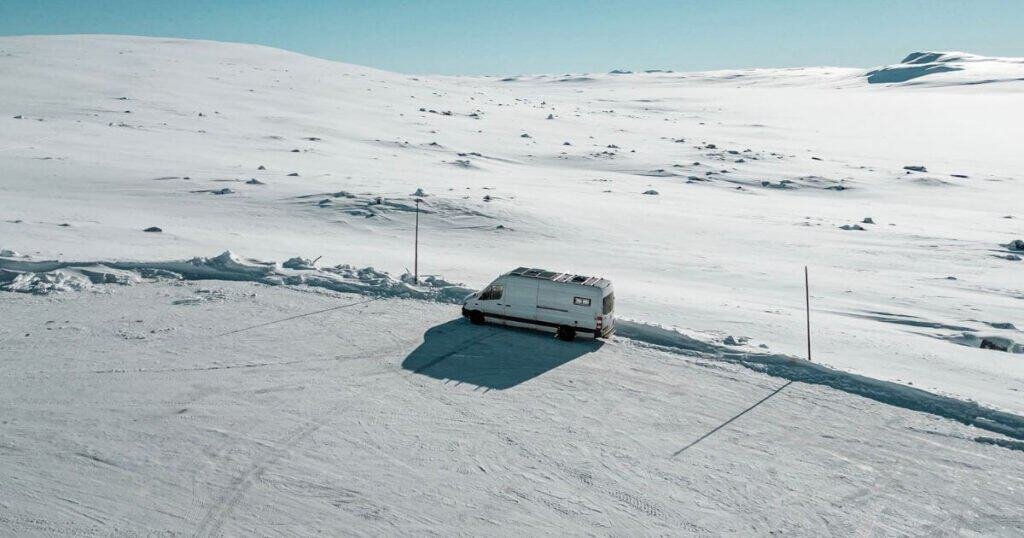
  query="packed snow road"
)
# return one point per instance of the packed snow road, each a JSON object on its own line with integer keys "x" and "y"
{"x": 177, "y": 407}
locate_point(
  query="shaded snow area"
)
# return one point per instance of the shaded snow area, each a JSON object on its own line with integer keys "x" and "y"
{"x": 397, "y": 416}
{"x": 304, "y": 380}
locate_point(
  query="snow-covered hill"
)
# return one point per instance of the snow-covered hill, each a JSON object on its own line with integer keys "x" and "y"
{"x": 701, "y": 195}
{"x": 949, "y": 69}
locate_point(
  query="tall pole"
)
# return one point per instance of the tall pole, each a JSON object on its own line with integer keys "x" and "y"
{"x": 416, "y": 255}
{"x": 807, "y": 301}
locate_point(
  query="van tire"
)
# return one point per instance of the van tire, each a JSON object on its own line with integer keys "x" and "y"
{"x": 476, "y": 317}
{"x": 567, "y": 334}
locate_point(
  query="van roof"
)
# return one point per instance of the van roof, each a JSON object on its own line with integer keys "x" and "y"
{"x": 562, "y": 278}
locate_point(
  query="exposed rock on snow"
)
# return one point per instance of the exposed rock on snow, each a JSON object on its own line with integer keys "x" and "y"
{"x": 153, "y": 229}
{"x": 993, "y": 342}
{"x": 852, "y": 227}
{"x": 783, "y": 184}
{"x": 651, "y": 192}
{"x": 915, "y": 168}
{"x": 735, "y": 340}
{"x": 868, "y": 220}
{"x": 298, "y": 263}
{"x": 1016, "y": 244}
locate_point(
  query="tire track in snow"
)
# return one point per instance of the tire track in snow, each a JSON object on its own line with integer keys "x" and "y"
{"x": 796, "y": 369}
{"x": 217, "y": 514}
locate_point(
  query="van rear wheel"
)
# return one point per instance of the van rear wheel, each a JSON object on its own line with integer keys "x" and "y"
{"x": 567, "y": 334}
{"x": 476, "y": 317}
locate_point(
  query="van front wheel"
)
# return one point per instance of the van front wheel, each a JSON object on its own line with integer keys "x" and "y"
{"x": 567, "y": 334}
{"x": 476, "y": 317}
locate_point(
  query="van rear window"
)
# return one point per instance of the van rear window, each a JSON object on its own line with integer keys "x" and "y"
{"x": 609, "y": 303}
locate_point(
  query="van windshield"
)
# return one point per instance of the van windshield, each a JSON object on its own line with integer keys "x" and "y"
{"x": 492, "y": 293}
{"x": 609, "y": 303}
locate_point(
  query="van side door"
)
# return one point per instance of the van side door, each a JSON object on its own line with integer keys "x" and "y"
{"x": 521, "y": 300}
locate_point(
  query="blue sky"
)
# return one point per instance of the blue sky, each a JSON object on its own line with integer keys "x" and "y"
{"x": 532, "y": 36}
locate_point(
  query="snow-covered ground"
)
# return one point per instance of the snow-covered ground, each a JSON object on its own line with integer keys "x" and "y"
{"x": 152, "y": 409}
{"x": 279, "y": 156}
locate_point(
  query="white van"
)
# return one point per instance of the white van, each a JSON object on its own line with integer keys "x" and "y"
{"x": 562, "y": 303}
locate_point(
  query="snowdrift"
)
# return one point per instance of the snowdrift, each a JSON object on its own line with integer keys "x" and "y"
{"x": 20, "y": 274}
{"x": 45, "y": 277}
{"x": 796, "y": 369}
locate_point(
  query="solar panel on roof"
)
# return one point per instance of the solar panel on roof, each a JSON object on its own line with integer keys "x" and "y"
{"x": 558, "y": 277}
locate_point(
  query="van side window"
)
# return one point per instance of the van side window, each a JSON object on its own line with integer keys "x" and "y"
{"x": 581, "y": 301}
{"x": 609, "y": 303}
{"x": 492, "y": 293}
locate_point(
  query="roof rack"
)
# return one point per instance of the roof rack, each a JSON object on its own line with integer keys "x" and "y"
{"x": 565, "y": 278}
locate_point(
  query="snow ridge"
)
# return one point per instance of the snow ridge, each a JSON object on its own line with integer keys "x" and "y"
{"x": 45, "y": 277}
{"x": 796, "y": 369}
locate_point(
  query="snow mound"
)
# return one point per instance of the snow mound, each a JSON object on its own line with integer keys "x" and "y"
{"x": 45, "y": 277}
{"x": 796, "y": 369}
{"x": 948, "y": 68}
{"x": 46, "y": 283}
{"x": 77, "y": 278}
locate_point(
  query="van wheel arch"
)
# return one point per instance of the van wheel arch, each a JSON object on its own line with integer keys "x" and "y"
{"x": 566, "y": 333}
{"x": 476, "y": 317}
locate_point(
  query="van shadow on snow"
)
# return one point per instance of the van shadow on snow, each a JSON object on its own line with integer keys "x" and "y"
{"x": 491, "y": 356}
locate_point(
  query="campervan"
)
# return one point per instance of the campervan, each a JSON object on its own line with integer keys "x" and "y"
{"x": 563, "y": 303}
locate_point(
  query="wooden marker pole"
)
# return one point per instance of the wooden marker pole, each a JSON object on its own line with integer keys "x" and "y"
{"x": 416, "y": 252}
{"x": 807, "y": 301}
